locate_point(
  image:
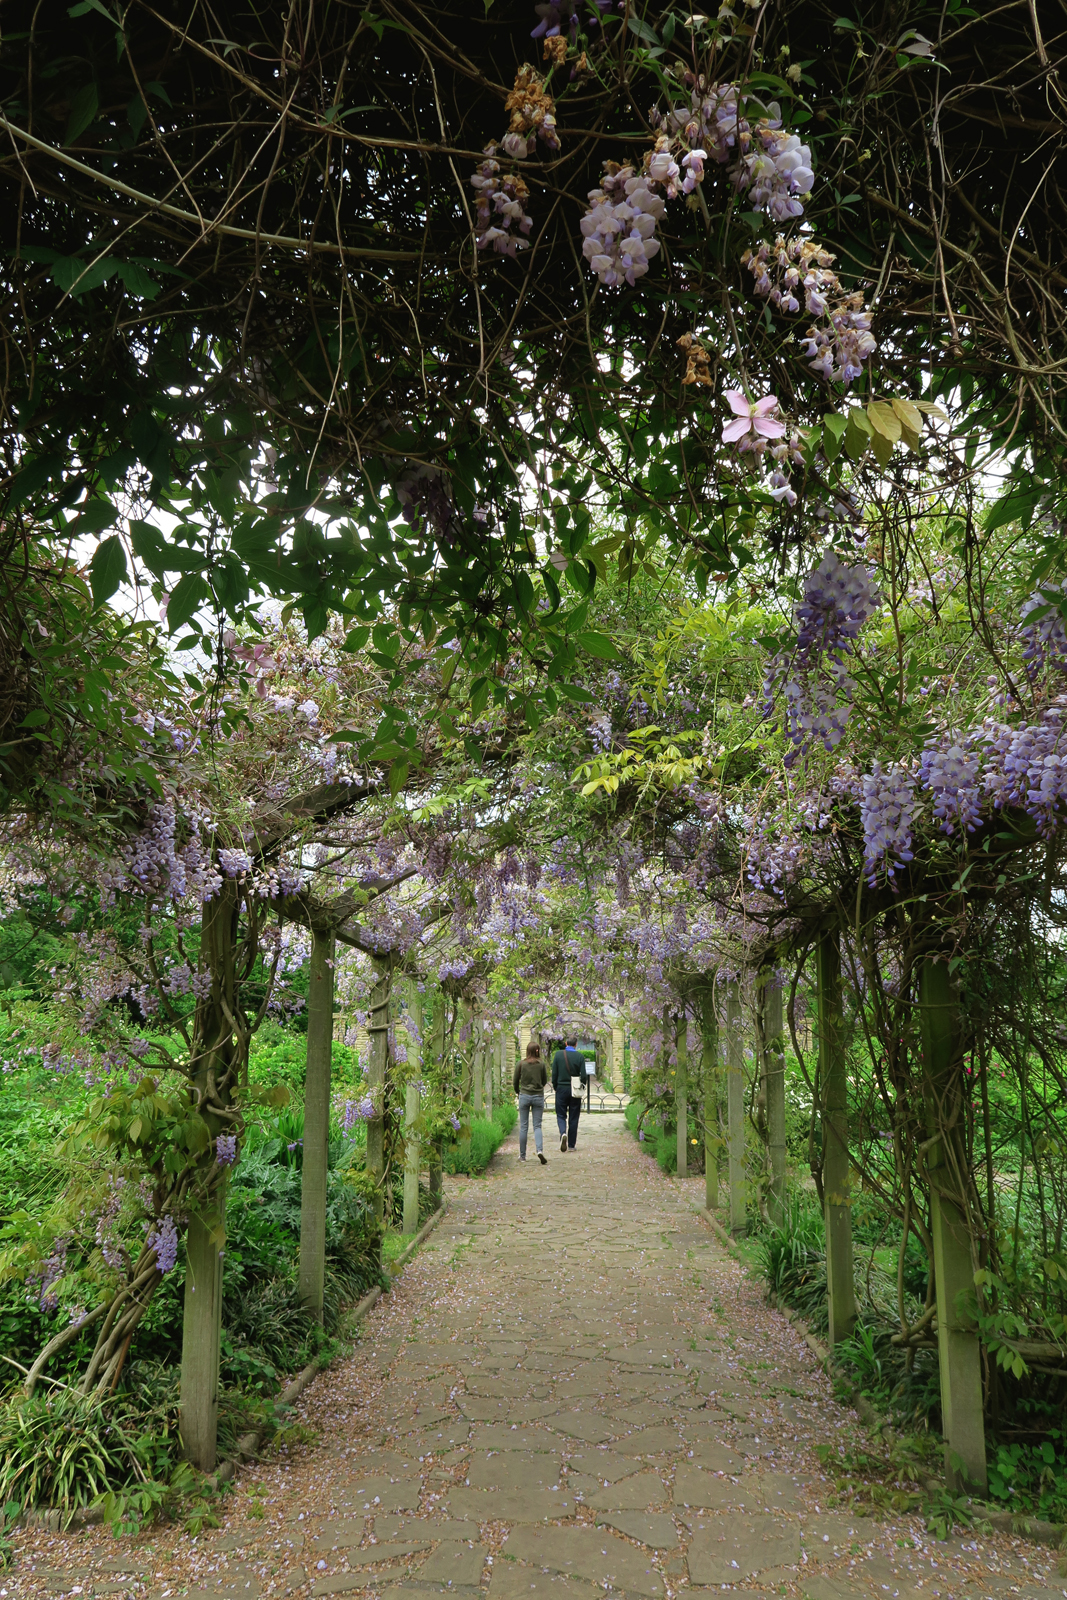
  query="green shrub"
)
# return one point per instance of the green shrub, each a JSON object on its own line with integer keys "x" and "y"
{"x": 1032, "y": 1477}
{"x": 486, "y": 1138}
{"x": 62, "y": 1450}
{"x": 660, "y": 1142}
{"x": 793, "y": 1258}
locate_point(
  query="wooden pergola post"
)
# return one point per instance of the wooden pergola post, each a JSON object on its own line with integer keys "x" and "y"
{"x": 735, "y": 1108}
{"x": 312, "y": 1269}
{"x": 836, "y": 1173}
{"x": 378, "y": 1029}
{"x": 774, "y": 1089}
{"x": 681, "y": 1091}
{"x": 709, "y": 1068}
{"x": 959, "y": 1355}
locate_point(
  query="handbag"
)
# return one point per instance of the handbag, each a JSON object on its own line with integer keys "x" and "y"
{"x": 577, "y": 1082}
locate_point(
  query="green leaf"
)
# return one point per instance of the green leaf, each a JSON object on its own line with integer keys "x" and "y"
{"x": 598, "y": 644}
{"x": 107, "y": 569}
{"x": 884, "y": 420}
{"x": 833, "y": 434}
{"x": 479, "y": 696}
{"x": 93, "y": 516}
{"x": 34, "y": 719}
{"x": 149, "y": 546}
{"x": 857, "y": 434}
{"x": 191, "y": 592}
{"x": 1015, "y": 506}
{"x": 83, "y": 106}
{"x": 137, "y": 281}
{"x": 33, "y": 476}
{"x": 398, "y": 776}
{"x": 573, "y": 691}
{"x": 642, "y": 30}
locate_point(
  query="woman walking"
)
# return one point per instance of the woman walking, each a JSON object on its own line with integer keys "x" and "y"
{"x": 529, "y": 1080}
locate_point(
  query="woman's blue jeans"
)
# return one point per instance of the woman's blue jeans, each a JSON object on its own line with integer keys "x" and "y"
{"x": 536, "y": 1104}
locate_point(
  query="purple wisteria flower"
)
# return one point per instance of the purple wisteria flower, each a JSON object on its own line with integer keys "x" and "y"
{"x": 1043, "y": 632}
{"x": 235, "y": 862}
{"x": 47, "y": 1272}
{"x": 164, "y": 1240}
{"x": 454, "y": 1120}
{"x": 356, "y": 1111}
{"x": 887, "y": 809}
{"x": 226, "y": 1149}
{"x": 951, "y": 776}
{"x": 619, "y": 226}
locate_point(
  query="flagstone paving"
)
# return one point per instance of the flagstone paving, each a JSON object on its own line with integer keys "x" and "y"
{"x": 572, "y": 1392}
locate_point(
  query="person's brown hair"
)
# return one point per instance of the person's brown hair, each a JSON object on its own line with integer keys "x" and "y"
{"x": 533, "y": 1051}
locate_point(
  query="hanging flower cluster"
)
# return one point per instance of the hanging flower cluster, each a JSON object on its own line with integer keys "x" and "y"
{"x": 356, "y": 1111}
{"x": 1027, "y": 767}
{"x": 951, "y": 775}
{"x": 502, "y": 219}
{"x": 226, "y": 1149}
{"x": 48, "y": 1272}
{"x": 1045, "y": 637}
{"x": 887, "y": 809}
{"x": 796, "y": 272}
{"x": 618, "y": 228}
{"x": 837, "y": 601}
{"x": 532, "y": 113}
{"x": 767, "y": 165}
{"x": 163, "y": 1239}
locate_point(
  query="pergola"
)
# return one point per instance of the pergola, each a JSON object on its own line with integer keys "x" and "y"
{"x": 605, "y": 1027}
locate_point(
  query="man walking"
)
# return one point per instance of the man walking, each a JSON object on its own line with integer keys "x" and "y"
{"x": 568, "y": 1064}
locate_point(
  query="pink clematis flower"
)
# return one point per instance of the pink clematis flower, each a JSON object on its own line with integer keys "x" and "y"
{"x": 751, "y": 425}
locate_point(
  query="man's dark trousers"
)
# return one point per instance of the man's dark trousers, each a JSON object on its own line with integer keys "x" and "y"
{"x": 567, "y": 1113}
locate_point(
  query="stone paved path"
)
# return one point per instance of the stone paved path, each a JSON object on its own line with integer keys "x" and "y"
{"x": 573, "y": 1392}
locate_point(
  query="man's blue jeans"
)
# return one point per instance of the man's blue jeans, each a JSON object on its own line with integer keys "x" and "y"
{"x": 536, "y": 1104}
{"x": 567, "y": 1114}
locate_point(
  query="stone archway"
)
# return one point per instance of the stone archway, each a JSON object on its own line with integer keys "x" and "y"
{"x": 603, "y": 1028}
